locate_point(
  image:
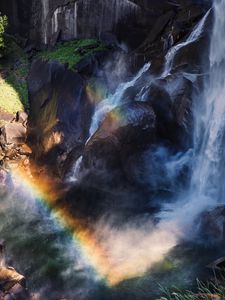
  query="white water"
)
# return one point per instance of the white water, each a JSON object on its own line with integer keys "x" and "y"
{"x": 45, "y": 10}
{"x": 105, "y": 106}
{"x": 114, "y": 100}
{"x": 194, "y": 36}
{"x": 210, "y": 127}
{"x": 75, "y": 176}
{"x": 207, "y": 181}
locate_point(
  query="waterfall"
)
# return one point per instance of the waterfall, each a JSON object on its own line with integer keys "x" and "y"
{"x": 208, "y": 173}
{"x": 194, "y": 36}
{"x": 206, "y": 188}
{"x": 114, "y": 100}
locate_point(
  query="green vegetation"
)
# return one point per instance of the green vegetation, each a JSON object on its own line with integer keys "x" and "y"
{"x": 3, "y": 25}
{"x": 13, "y": 87}
{"x": 204, "y": 292}
{"x": 72, "y": 52}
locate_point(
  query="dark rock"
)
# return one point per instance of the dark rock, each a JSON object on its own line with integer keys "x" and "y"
{"x": 17, "y": 292}
{"x": 89, "y": 65}
{"x": 157, "y": 29}
{"x": 211, "y": 224}
{"x": 46, "y": 22}
{"x": 60, "y": 112}
{"x": 126, "y": 130}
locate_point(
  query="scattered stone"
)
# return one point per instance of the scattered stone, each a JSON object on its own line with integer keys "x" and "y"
{"x": 10, "y": 277}
{"x": 11, "y": 153}
{"x": 13, "y": 133}
{"x": 21, "y": 117}
{"x": 24, "y": 150}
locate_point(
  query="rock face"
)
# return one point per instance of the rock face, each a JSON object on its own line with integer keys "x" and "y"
{"x": 60, "y": 109}
{"x": 133, "y": 21}
{"x": 212, "y": 224}
{"x": 49, "y": 20}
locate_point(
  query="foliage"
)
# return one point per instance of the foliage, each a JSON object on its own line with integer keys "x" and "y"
{"x": 204, "y": 291}
{"x": 72, "y": 52}
{"x": 3, "y": 25}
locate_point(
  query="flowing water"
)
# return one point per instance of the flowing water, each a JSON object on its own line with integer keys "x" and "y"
{"x": 114, "y": 100}
{"x": 206, "y": 187}
{"x": 193, "y": 37}
{"x": 41, "y": 249}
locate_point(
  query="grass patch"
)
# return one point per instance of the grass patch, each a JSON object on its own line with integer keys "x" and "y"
{"x": 13, "y": 86}
{"x": 207, "y": 291}
{"x": 73, "y": 52}
{"x": 9, "y": 98}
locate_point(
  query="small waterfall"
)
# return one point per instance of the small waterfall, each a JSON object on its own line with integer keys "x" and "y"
{"x": 75, "y": 29}
{"x": 75, "y": 176}
{"x": 114, "y": 100}
{"x": 45, "y": 10}
{"x": 194, "y": 36}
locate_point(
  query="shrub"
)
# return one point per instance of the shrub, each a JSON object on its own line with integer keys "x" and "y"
{"x": 3, "y": 25}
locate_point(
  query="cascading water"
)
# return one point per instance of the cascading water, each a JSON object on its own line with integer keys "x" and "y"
{"x": 206, "y": 186}
{"x": 208, "y": 173}
{"x": 114, "y": 100}
{"x": 194, "y": 36}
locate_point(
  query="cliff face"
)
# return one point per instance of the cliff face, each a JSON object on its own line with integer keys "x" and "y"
{"x": 44, "y": 22}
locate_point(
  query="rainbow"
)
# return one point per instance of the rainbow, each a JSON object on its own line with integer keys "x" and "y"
{"x": 47, "y": 192}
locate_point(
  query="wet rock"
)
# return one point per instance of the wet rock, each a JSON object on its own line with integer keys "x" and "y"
{"x": 59, "y": 117}
{"x": 212, "y": 224}
{"x": 44, "y": 23}
{"x": 126, "y": 130}
{"x": 17, "y": 292}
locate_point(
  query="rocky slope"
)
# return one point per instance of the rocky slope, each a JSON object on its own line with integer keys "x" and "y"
{"x": 62, "y": 101}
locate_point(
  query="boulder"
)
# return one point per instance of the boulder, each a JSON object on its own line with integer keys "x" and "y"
{"x": 13, "y": 133}
{"x": 125, "y": 130}
{"x": 21, "y": 117}
{"x": 9, "y": 277}
{"x": 211, "y": 224}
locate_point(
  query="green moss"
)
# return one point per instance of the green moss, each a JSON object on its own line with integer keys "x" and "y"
{"x": 13, "y": 86}
{"x": 72, "y": 52}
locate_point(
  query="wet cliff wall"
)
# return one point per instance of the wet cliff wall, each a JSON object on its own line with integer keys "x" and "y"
{"x": 45, "y": 22}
